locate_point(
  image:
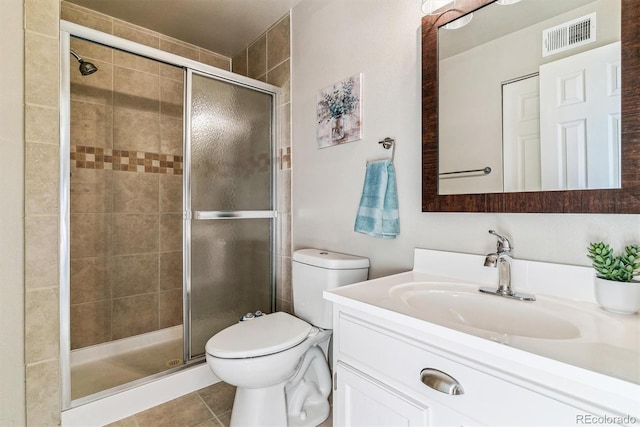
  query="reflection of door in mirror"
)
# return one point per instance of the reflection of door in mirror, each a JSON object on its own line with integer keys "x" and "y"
{"x": 503, "y": 44}
{"x": 521, "y": 134}
{"x": 580, "y": 136}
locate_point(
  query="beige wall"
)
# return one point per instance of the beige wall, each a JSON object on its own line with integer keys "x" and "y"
{"x": 268, "y": 59}
{"x": 12, "y": 401}
{"x": 334, "y": 39}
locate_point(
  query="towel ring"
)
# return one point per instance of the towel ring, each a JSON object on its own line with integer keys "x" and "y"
{"x": 389, "y": 143}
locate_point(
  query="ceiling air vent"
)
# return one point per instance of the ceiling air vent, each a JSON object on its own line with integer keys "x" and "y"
{"x": 574, "y": 33}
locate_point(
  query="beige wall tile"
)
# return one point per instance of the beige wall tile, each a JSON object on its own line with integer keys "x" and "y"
{"x": 284, "y": 243}
{"x": 171, "y": 131}
{"x": 96, "y": 88}
{"x": 281, "y": 76}
{"x": 285, "y": 125}
{"x": 171, "y": 193}
{"x": 214, "y": 60}
{"x": 170, "y": 270}
{"x": 239, "y": 63}
{"x": 92, "y": 124}
{"x": 90, "y": 323}
{"x": 171, "y": 97}
{"x": 187, "y": 410}
{"x": 41, "y": 124}
{"x": 135, "y": 62}
{"x": 41, "y": 251}
{"x": 91, "y": 190}
{"x": 41, "y": 70}
{"x": 88, "y": 277}
{"x": 170, "y": 308}
{"x": 133, "y": 274}
{"x": 41, "y": 179}
{"x": 42, "y": 16}
{"x": 284, "y": 190}
{"x": 88, "y": 18}
{"x": 41, "y": 325}
{"x": 135, "y": 315}
{"x": 283, "y": 278}
{"x": 171, "y": 72}
{"x": 136, "y": 90}
{"x": 134, "y": 233}
{"x": 135, "y": 33}
{"x": 135, "y": 192}
{"x": 179, "y": 48}
{"x": 88, "y": 235}
{"x": 42, "y": 394}
{"x": 170, "y": 232}
{"x": 257, "y": 58}
{"x": 91, "y": 51}
{"x": 136, "y": 130}
{"x": 278, "y": 45}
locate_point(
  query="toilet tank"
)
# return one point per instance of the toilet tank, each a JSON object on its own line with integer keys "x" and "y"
{"x": 315, "y": 271}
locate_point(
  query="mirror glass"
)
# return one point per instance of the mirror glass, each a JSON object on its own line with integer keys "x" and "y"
{"x": 529, "y": 97}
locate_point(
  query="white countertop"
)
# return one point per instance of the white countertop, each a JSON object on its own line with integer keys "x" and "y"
{"x": 604, "y": 357}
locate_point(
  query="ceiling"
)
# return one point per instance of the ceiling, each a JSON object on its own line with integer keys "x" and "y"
{"x": 222, "y": 26}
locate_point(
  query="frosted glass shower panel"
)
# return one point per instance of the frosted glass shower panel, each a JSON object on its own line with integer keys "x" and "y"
{"x": 231, "y": 129}
{"x": 231, "y": 274}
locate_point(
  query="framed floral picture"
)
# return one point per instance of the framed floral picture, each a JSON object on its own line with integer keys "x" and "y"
{"x": 340, "y": 113}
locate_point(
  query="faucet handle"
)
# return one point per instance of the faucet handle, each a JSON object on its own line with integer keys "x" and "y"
{"x": 504, "y": 245}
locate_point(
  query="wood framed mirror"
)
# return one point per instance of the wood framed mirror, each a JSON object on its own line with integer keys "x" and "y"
{"x": 625, "y": 200}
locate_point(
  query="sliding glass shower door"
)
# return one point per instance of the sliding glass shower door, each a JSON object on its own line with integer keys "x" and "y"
{"x": 229, "y": 206}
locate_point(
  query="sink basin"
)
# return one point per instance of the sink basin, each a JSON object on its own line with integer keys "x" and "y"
{"x": 463, "y": 307}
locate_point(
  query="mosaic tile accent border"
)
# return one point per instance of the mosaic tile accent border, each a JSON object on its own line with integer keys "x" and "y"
{"x": 125, "y": 160}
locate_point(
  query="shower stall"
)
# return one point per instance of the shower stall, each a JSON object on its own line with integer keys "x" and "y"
{"x": 167, "y": 230}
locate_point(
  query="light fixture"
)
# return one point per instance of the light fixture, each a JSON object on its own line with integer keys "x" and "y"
{"x": 437, "y": 7}
{"x": 507, "y": 2}
{"x": 459, "y": 23}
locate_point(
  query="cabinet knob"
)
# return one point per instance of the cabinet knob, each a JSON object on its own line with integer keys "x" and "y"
{"x": 439, "y": 381}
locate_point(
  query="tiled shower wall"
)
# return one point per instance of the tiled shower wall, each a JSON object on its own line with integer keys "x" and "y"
{"x": 268, "y": 59}
{"x": 126, "y": 184}
{"x": 126, "y": 196}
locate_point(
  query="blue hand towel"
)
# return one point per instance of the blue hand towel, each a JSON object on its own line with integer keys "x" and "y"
{"x": 378, "y": 212}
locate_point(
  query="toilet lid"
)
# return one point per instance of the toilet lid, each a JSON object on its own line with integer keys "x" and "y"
{"x": 263, "y": 335}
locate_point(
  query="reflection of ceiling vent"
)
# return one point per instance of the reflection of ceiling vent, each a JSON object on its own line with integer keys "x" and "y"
{"x": 574, "y": 33}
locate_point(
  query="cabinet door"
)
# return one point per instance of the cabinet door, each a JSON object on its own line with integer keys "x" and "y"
{"x": 363, "y": 401}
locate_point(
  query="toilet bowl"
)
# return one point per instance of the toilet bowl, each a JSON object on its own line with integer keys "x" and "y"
{"x": 261, "y": 357}
{"x": 275, "y": 360}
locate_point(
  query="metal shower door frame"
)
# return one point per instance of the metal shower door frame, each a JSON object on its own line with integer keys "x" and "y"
{"x": 190, "y": 215}
{"x": 68, "y": 29}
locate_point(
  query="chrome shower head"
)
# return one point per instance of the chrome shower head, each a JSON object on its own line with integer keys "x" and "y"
{"x": 86, "y": 68}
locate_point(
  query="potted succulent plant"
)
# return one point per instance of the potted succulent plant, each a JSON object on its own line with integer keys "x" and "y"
{"x": 615, "y": 287}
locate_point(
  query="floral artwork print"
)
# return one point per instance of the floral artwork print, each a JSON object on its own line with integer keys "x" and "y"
{"x": 339, "y": 112}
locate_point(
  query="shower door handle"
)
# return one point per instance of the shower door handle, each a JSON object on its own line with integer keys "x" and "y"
{"x": 234, "y": 214}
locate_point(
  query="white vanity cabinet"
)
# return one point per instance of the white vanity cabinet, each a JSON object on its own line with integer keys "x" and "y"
{"x": 378, "y": 382}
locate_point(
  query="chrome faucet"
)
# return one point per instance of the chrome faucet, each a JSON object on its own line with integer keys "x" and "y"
{"x": 502, "y": 259}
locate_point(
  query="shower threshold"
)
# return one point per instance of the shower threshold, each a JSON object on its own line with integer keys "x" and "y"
{"x": 110, "y": 365}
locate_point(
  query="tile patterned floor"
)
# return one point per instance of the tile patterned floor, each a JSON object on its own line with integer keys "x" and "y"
{"x": 207, "y": 407}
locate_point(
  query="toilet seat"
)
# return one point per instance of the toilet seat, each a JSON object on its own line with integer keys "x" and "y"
{"x": 268, "y": 334}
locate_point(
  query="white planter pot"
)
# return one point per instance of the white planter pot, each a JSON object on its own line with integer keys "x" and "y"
{"x": 618, "y": 297}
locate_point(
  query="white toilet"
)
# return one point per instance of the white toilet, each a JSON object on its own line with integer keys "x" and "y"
{"x": 275, "y": 361}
